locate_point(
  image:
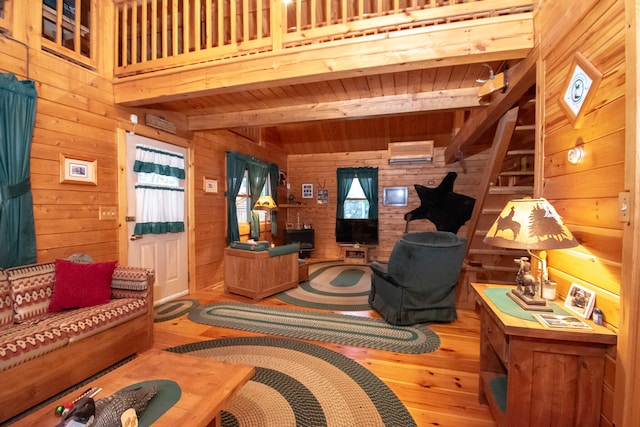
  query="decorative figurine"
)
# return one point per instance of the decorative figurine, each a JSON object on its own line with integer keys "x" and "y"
{"x": 525, "y": 282}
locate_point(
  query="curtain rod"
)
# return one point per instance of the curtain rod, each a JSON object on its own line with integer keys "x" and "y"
{"x": 6, "y": 34}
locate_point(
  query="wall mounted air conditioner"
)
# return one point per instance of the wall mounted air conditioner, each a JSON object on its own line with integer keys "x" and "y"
{"x": 411, "y": 151}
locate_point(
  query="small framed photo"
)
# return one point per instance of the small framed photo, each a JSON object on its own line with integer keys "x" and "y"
{"x": 289, "y": 226}
{"x": 394, "y": 196}
{"x": 76, "y": 170}
{"x": 323, "y": 197}
{"x": 307, "y": 191}
{"x": 580, "y": 300}
{"x": 210, "y": 185}
{"x": 282, "y": 178}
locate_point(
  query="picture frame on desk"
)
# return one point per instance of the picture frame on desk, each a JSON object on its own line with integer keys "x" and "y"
{"x": 580, "y": 300}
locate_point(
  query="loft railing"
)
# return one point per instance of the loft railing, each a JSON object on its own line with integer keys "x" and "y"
{"x": 160, "y": 34}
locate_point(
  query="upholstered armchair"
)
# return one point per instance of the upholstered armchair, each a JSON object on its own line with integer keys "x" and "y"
{"x": 418, "y": 284}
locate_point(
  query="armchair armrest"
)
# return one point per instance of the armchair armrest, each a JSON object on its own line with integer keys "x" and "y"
{"x": 380, "y": 269}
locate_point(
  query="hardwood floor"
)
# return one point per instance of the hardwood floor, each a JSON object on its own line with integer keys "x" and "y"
{"x": 439, "y": 388}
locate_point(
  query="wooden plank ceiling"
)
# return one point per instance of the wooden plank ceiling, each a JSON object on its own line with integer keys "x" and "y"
{"x": 311, "y": 104}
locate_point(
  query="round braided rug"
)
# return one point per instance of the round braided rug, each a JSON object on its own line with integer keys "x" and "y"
{"x": 301, "y": 384}
{"x": 332, "y": 286}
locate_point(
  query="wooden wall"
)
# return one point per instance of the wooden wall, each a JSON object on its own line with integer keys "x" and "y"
{"x": 320, "y": 170}
{"x": 209, "y": 150}
{"x": 75, "y": 116}
{"x": 586, "y": 194}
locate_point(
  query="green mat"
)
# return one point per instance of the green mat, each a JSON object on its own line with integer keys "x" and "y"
{"x": 326, "y": 327}
{"x": 499, "y": 297}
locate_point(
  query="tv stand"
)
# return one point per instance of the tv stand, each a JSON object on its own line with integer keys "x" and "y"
{"x": 355, "y": 255}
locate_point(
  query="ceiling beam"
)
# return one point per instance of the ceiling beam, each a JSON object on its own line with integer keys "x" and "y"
{"x": 428, "y": 47}
{"x": 520, "y": 78}
{"x": 452, "y": 99}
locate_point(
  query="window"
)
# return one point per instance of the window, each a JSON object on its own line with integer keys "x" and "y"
{"x": 243, "y": 200}
{"x": 68, "y": 31}
{"x": 356, "y": 205}
{"x": 357, "y": 193}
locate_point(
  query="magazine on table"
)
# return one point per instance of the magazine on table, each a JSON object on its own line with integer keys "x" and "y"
{"x": 561, "y": 321}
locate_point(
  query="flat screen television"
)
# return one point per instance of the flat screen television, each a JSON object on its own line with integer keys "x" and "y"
{"x": 362, "y": 231}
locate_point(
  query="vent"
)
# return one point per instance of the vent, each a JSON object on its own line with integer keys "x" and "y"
{"x": 412, "y": 151}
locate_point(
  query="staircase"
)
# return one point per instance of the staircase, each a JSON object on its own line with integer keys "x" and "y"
{"x": 509, "y": 175}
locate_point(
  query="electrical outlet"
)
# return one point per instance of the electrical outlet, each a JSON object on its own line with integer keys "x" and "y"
{"x": 107, "y": 213}
{"x": 624, "y": 206}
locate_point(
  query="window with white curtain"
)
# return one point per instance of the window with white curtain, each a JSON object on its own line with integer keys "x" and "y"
{"x": 159, "y": 191}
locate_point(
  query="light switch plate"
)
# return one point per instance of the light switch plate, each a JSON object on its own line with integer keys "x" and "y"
{"x": 624, "y": 206}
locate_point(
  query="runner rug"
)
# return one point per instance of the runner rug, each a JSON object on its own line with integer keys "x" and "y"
{"x": 174, "y": 309}
{"x": 301, "y": 384}
{"x": 325, "y": 327}
{"x": 332, "y": 286}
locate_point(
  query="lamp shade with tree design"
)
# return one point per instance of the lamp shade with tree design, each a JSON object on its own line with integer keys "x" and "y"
{"x": 530, "y": 224}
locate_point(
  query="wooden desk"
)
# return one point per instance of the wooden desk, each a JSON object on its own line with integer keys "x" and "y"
{"x": 206, "y": 386}
{"x": 531, "y": 375}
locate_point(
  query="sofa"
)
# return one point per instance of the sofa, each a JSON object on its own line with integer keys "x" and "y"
{"x": 44, "y": 352}
{"x": 258, "y": 270}
{"x": 418, "y": 284}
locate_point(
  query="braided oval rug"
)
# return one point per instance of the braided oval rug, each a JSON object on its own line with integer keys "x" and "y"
{"x": 319, "y": 326}
{"x": 332, "y": 286}
{"x": 301, "y": 384}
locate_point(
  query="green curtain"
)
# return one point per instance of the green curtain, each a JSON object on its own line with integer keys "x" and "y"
{"x": 17, "y": 120}
{"x": 345, "y": 179}
{"x": 368, "y": 178}
{"x": 257, "y": 176}
{"x": 236, "y": 165}
{"x": 274, "y": 170}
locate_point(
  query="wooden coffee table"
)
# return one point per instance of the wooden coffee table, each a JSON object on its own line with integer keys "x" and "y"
{"x": 206, "y": 387}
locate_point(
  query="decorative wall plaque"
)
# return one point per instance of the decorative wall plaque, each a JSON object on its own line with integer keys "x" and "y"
{"x": 579, "y": 89}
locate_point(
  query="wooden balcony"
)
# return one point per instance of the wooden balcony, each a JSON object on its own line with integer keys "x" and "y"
{"x": 183, "y": 51}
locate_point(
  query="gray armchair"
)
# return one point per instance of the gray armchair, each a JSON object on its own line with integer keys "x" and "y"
{"x": 418, "y": 284}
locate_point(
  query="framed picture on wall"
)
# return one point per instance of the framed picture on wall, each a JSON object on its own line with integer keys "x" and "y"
{"x": 394, "y": 196}
{"x": 75, "y": 170}
{"x": 307, "y": 191}
{"x": 579, "y": 88}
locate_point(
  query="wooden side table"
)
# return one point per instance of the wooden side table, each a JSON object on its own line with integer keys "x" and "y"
{"x": 531, "y": 375}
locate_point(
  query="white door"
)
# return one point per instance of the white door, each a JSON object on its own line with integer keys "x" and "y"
{"x": 166, "y": 253}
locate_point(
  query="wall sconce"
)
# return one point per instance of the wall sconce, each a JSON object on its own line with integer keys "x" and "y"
{"x": 575, "y": 155}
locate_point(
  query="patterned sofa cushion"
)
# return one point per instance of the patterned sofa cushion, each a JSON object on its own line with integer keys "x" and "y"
{"x": 84, "y": 322}
{"x": 28, "y": 341}
{"x": 6, "y": 302}
{"x": 32, "y": 287}
{"x": 130, "y": 282}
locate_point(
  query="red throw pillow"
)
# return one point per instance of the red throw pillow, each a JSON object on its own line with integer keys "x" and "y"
{"x": 81, "y": 284}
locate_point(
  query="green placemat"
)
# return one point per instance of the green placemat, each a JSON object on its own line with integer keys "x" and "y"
{"x": 169, "y": 393}
{"x": 505, "y": 304}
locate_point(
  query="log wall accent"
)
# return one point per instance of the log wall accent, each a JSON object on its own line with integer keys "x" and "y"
{"x": 586, "y": 194}
{"x": 209, "y": 150}
{"x": 320, "y": 170}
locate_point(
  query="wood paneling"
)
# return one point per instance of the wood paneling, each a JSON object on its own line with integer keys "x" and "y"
{"x": 586, "y": 195}
{"x": 209, "y": 150}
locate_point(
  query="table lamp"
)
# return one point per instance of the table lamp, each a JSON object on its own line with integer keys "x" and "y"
{"x": 530, "y": 224}
{"x": 265, "y": 203}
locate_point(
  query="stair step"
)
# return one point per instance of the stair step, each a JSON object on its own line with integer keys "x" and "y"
{"x": 522, "y": 152}
{"x": 505, "y": 252}
{"x": 516, "y": 173}
{"x": 515, "y": 189}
